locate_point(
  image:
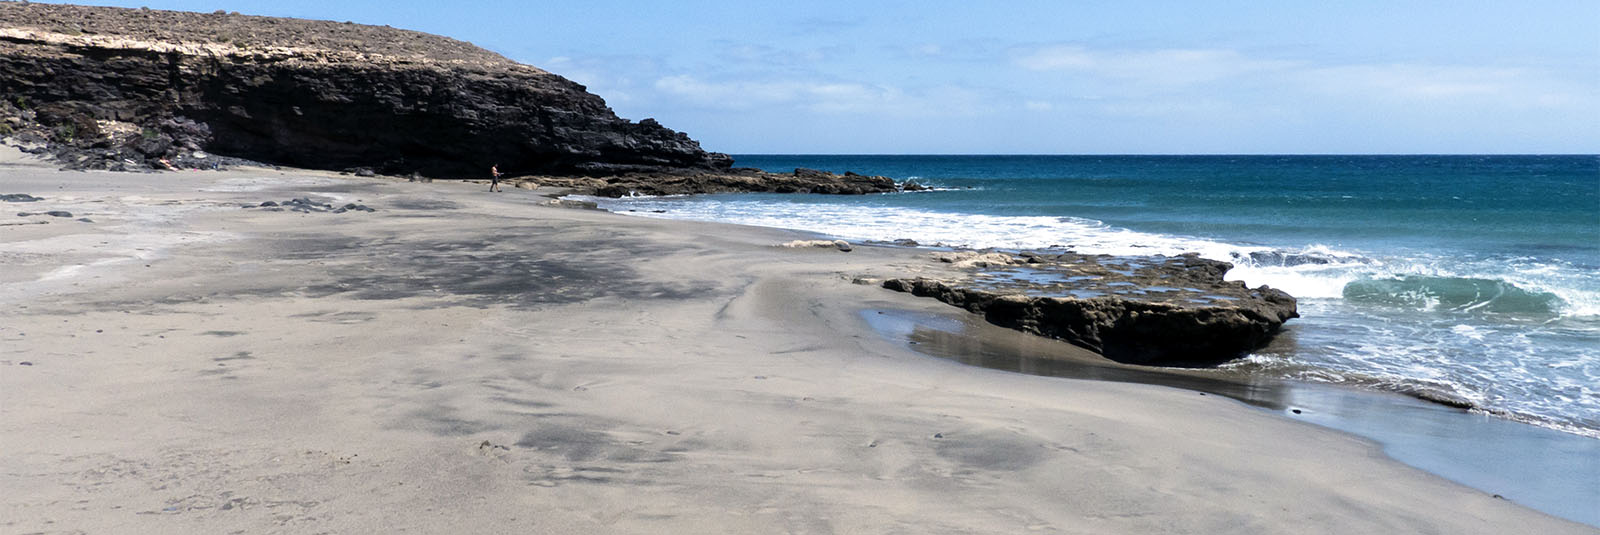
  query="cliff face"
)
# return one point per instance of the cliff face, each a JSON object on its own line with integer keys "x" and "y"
{"x": 132, "y": 86}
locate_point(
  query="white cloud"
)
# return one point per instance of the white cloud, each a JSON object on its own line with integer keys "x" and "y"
{"x": 1439, "y": 83}
{"x": 1056, "y": 58}
{"x": 823, "y": 97}
{"x": 736, "y": 95}
{"x": 770, "y": 57}
{"x": 617, "y": 78}
{"x": 1177, "y": 82}
{"x": 1205, "y": 97}
{"x": 1169, "y": 109}
{"x": 1162, "y": 67}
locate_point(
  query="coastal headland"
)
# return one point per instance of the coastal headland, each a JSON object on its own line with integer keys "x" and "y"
{"x": 140, "y": 89}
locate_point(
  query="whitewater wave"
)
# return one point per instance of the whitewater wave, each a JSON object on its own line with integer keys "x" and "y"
{"x": 1317, "y": 271}
{"x": 1473, "y": 332}
{"x": 1455, "y": 294}
{"x": 1505, "y": 390}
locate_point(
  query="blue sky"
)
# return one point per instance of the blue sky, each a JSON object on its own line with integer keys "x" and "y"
{"x": 1113, "y": 77}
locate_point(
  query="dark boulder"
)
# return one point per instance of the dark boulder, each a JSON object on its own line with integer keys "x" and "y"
{"x": 1165, "y": 311}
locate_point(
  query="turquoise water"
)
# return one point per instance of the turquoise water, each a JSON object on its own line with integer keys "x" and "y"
{"x": 1475, "y": 276}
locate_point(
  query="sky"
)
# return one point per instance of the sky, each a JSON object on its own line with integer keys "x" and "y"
{"x": 1050, "y": 77}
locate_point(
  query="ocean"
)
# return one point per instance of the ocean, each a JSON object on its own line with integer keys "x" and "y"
{"x": 1475, "y": 277}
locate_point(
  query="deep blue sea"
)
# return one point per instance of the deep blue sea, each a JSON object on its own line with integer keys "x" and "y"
{"x": 1478, "y": 276}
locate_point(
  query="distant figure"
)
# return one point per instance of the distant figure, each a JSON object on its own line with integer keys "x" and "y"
{"x": 494, "y": 177}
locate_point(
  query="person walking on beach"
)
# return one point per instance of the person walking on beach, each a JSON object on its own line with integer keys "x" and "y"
{"x": 494, "y": 177}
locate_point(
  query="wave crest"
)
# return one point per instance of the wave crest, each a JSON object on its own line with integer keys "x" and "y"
{"x": 1316, "y": 271}
{"x": 1452, "y": 294}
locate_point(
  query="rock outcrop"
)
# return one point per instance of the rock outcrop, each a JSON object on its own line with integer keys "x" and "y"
{"x": 127, "y": 88}
{"x": 730, "y": 181}
{"x": 1165, "y": 311}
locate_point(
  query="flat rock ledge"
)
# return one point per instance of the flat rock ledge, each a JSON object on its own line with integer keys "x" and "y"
{"x": 1159, "y": 311}
{"x": 735, "y": 180}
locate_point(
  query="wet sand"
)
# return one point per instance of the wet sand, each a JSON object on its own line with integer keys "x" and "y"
{"x": 1546, "y": 469}
{"x": 472, "y": 362}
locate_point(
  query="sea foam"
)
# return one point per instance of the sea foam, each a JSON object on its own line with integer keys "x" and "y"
{"x": 1403, "y": 320}
{"x": 1316, "y": 271}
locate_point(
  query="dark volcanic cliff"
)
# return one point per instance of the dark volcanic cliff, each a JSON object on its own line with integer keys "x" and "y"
{"x": 128, "y": 87}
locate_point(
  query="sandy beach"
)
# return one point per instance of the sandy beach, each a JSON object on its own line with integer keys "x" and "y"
{"x": 461, "y": 361}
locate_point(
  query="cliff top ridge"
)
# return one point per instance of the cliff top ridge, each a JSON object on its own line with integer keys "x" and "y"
{"x": 223, "y": 33}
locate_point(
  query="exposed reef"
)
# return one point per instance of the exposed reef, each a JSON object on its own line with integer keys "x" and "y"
{"x": 1165, "y": 311}
{"x": 733, "y": 180}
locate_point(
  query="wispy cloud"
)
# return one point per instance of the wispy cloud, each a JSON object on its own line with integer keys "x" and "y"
{"x": 825, "y": 25}
{"x": 1173, "y": 67}
{"x": 617, "y": 78}
{"x": 1401, "y": 81}
{"x": 1217, "y": 74}
{"x": 822, "y": 97}
{"x": 984, "y": 51}
{"x": 958, "y": 93}
{"x": 774, "y": 57}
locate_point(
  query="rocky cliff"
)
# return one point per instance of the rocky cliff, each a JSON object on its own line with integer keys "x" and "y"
{"x": 126, "y": 88}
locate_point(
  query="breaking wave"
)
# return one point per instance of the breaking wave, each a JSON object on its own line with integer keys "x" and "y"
{"x": 1488, "y": 285}
{"x": 1511, "y": 335}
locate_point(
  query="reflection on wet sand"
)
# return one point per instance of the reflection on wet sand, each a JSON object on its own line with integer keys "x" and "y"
{"x": 1551, "y": 471}
{"x": 991, "y": 347}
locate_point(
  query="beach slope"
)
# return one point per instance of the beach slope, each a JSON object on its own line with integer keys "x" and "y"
{"x": 461, "y": 361}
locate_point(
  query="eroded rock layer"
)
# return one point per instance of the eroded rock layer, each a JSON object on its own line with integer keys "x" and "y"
{"x": 127, "y": 88}
{"x": 733, "y": 180}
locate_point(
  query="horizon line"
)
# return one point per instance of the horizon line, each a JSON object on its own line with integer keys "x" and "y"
{"x": 1596, "y": 154}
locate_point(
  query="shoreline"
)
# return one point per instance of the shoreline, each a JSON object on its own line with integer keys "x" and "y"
{"x": 1464, "y": 320}
{"x": 465, "y": 361}
{"x": 1483, "y": 451}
